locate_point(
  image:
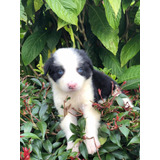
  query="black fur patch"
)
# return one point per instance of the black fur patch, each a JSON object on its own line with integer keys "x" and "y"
{"x": 53, "y": 69}
{"x": 102, "y": 82}
{"x": 86, "y": 64}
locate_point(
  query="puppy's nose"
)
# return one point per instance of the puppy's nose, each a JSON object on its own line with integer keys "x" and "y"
{"x": 72, "y": 85}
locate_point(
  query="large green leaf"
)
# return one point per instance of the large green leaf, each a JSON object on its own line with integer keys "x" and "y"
{"x": 137, "y": 17}
{"x": 130, "y": 49}
{"x": 60, "y": 134}
{"x": 110, "y": 147}
{"x": 131, "y": 73}
{"x": 43, "y": 127}
{"x": 115, "y": 138}
{"x": 102, "y": 29}
{"x": 135, "y": 139}
{"x": 83, "y": 150}
{"x": 29, "y": 8}
{"x": 111, "y": 62}
{"x": 33, "y": 46}
{"x": 67, "y": 10}
{"x": 37, "y": 151}
{"x": 53, "y": 39}
{"x": 131, "y": 84}
{"x": 28, "y": 127}
{"x": 124, "y": 130}
{"x": 23, "y": 15}
{"x": 64, "y": 11}
{"x": 119, "y": 154}
{"x": 116, "y": 5}
{"x": 47, "y": 145}
{"x": 43, "y": 110}
{"x": 132, "y": 76}
{"x": 30, "y": 135}
{"x": 125, "y": 4}
{"x": 110, "y": 157}
{"x": 113, "y": 12}
{"x": 38, "y": 4}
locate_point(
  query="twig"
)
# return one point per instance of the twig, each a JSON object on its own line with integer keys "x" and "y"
{"x": 82, "y": 29}
{"x": 23, "y": 120}
{"x": 78, "y": 40}
{"x": 33, "y": 70}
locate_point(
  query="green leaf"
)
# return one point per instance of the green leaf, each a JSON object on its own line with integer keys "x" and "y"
{"x": 102, "y": 29}
{"x": 119, "y": 101}
{"x": 116, "y": 5}
{"x": 83, "y": 150}
{"x": 125, "y": 4}
{"x": 28, "y": 127}
{"x": 61, "y": 149}
{"x": 125, "y": 122}
{"x": 53, "y": 158}
{"x": 37, "y": 151}
{"x": 43, "y": 110}
{"x": 130, "y": 49}
{"x": 35, "y": 80}
{"x": 132, "y": 73}
{"x": 33, "y": 46}
{"x": 60, "y": 134}
{"x": 82, "y": 123}
{"x": 113, "y": 12}
{"x": 63, "y": 156}
{"x": 131, "y": 84}
{"x": 23, "y": 15}
{"x": 73, "y": 128}
{"x": 135, "y": 139}
{"x": 29, "y": 8}
{"x": 102, "y": 140}
{"x": 137, "y": 17}
{"x": 30, "y": 135}
{"x": 53, "y": 39}
{"x": 38, "y": 4}
{"x": 47, "y": 145}
{"x": 56, "y": 144}
{"x": 73, "y": 138}
{"x": 61, "y": 23}
{"x": 67, "y": 10}
{"x": 43, "y": 127}
{"x": 104, "y": 129}
{"x": 110, "y": 157}
{"x": 120, "y": 155}
{"x": 111, "y": 62}
{"x": 110, "y": 147}
{"x": 96, "y": 2}
{"x": 125, "y": 131}
{"x": 115, "y": 138}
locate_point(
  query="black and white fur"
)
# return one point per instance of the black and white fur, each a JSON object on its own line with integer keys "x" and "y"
{"x": 72, "y": 75}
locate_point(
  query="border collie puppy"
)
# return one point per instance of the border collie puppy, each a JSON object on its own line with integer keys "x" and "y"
{"x": 72, "y": 75}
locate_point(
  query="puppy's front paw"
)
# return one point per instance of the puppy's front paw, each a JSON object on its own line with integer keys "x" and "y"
{"x": 74, "y": 147}
{"x": 92, "y": 145}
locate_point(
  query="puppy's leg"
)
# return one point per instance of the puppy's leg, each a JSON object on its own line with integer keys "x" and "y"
{"x": 91, "y": 130}
{"x": 65, "y": 125}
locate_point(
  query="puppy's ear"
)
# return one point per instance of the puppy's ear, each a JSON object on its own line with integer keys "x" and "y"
{"x": 85, "y": 57}
{"x": 48, "y": 65}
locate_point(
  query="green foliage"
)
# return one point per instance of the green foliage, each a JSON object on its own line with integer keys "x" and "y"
{"x": 41, "y": 133}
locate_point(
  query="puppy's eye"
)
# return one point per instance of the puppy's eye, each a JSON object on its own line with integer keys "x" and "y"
{"x": 80, "y": 70}
{"x": 60, "y": 71}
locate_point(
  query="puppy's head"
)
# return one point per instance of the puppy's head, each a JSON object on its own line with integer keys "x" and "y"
{"x": 68, "y": 69}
